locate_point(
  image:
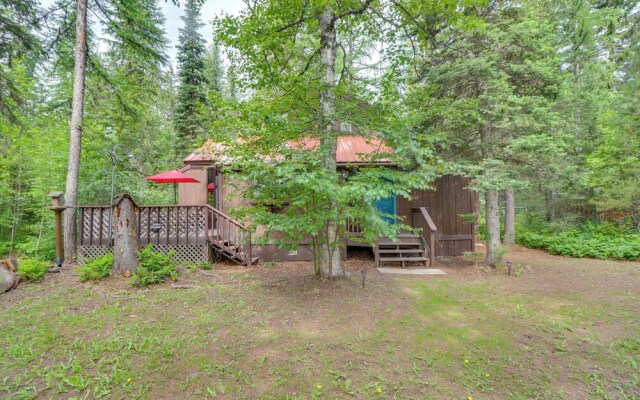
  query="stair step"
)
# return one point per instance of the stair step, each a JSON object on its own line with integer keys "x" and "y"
{"x": 400, "y": 238}
{"x": 415, "y": 259}
{"x": 395, "y": 251}
{"x": 400, "y": 241}
{"x": 390, "y": 246}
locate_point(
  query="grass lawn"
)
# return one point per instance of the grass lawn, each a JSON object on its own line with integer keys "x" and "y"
{"x": 559, "y": 328}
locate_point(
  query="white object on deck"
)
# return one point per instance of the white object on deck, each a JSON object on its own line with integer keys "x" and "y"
{"x": 412, "y": 271}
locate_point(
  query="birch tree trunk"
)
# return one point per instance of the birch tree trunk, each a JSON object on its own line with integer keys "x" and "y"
{"x": 509, "y": 216}
{"x": 75, "y": 131}
{"x": 125, "y": 239}
{"x": 493, "y": 227}
{"x": 330, "y": 264}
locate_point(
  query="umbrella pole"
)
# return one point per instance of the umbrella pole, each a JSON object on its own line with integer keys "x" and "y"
{"x": 175, "y": 193}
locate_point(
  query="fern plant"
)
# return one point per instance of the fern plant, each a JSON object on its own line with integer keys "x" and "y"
{"x": 98, "y": 268}
{"x": 154, "y": 267}
{"x": 32, "y": 270}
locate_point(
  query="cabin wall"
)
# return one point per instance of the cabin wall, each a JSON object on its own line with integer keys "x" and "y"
{"x": 193, "y": 193}
{"x": 445, "y": 204}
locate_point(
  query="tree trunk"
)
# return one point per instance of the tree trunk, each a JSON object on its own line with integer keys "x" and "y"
{"x": 509, "y": 216}
{"x": 125, "y": 239}
{"x": 492, "y": 213}
{"x": 330, "y": 264}
{"x": 492, "y": 217}
{"x": 75, "y": 139}
{"x": 551, "y": 197}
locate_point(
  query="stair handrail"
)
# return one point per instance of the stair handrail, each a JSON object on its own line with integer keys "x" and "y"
{"x": 432, "y": 232}
{"x": 242, "y": 238}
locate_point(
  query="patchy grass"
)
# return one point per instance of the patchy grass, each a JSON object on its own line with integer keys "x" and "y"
{"x": 556, "y": 332}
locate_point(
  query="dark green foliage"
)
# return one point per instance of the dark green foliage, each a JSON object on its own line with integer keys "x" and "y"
{"x": 189, "y": 117}
{"x": 32, "y": 270}
{"x": 19, "y": 20}
{"x": 604, "y": 241}
{"x": 214, "y": 70}
{"x": 129, "y": 101}
{"x": 154, "y": 267}
{"x": 96, "y": 269}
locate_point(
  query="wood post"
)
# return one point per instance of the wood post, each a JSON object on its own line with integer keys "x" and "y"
{"x": 432, "y": 248}
{"x": 125, "y": 244}
{"x": 58, "y": 208}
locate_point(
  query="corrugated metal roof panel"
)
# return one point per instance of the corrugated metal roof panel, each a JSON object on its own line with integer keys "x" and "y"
{"x": 350, "y": 149}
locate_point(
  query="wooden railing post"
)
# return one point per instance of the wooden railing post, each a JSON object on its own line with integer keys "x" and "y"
{"x": 431, "y": 228}
{"x": 248, "y": 251}
{"x": 432, "y": 248}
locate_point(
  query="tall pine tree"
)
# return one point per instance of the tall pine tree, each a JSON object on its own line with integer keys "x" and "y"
{"x": 485, "y": 91}
{"x": 189, "y": 117}
{"x": 214, "y": 71}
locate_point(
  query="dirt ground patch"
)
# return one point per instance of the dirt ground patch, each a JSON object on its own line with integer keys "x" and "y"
{"x": 556, "y": 328}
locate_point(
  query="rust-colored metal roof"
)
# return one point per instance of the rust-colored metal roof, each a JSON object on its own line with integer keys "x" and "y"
{"x": 352, "y": 149}
{"x": 210, "y": 151}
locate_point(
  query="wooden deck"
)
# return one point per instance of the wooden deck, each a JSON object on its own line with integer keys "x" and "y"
{"x": 193, "y": 229}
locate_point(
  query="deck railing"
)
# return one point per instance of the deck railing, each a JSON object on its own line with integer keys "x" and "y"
{"x": 169, "y": 225}
{"x": 229, "y": 235}
{"x": 423, "y": 221}
{"x": 94, "y": 226}
{"x": 353, "y": 227}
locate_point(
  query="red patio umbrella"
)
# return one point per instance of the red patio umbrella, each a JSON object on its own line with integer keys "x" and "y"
{"x": 174, "y": 177}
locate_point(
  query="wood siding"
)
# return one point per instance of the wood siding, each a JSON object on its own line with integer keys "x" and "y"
{"x": 446, "y": 203}
{"x": 193, "y": 193}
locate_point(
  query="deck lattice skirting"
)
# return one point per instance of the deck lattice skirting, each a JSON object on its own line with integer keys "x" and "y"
{"x": 179, "y": 228}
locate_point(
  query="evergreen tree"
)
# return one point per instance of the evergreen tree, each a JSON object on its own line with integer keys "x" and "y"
{"x": 189, "y": 116}
{"x": 131, "y": 107}
{"x": 18, "y": 43}
{"x": 485, "y": 90}
{"x": 214, "y": 71}
{"x": 231, "y": 90}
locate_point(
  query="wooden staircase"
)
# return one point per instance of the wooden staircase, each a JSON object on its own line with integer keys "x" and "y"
{"x": 229, "y": 237}
{"x": 405, "y": 248}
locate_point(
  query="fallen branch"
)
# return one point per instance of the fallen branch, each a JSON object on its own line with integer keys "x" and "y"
{"x": 185, "y": 287}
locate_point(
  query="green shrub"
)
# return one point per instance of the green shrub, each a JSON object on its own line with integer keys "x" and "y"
{"x": 32, "y": 270}
{"x": 154, "y": 267}
{"x": 96, "y": 269}
{"x": 604, "y": 241}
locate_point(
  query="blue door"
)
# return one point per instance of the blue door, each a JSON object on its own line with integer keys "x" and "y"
{"x": 387, "y": 205}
